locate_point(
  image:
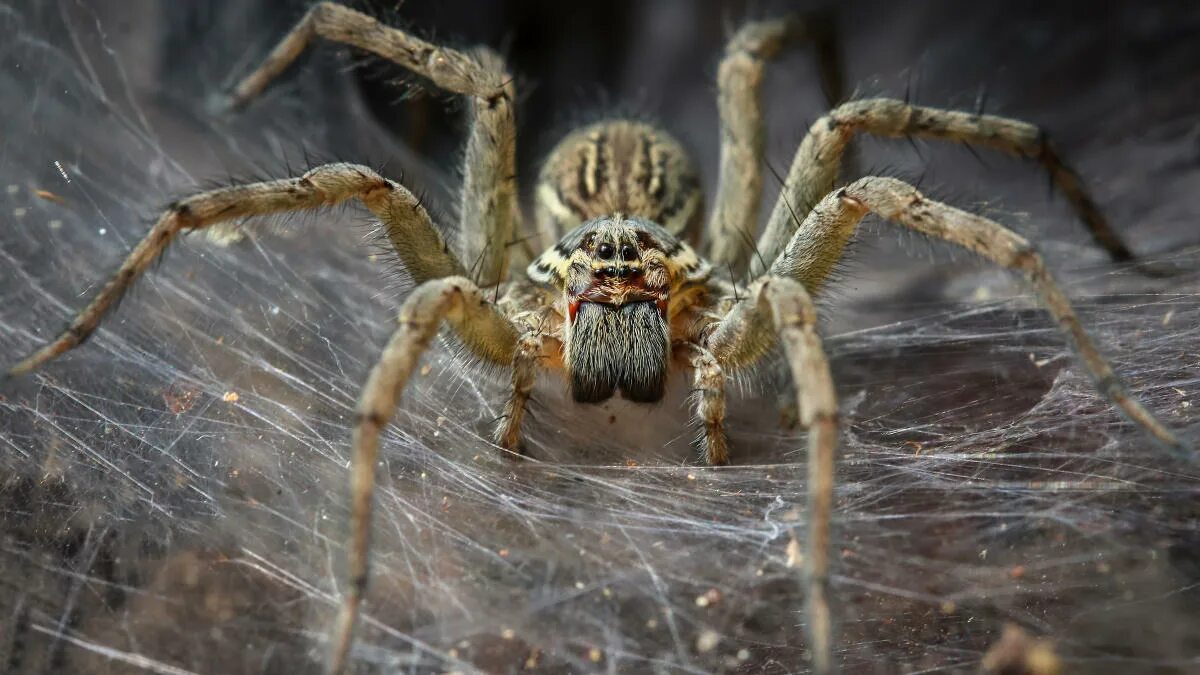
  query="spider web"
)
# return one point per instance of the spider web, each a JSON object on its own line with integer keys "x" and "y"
{"x": 173, "y": 495}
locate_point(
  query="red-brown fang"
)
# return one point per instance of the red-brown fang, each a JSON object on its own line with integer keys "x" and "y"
{"x": 624, "y": 295}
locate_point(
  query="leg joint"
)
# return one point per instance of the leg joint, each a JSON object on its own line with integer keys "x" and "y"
{"x": 1109, "y": 385}
{"x": 496, "y": 99}
{"x": 830, "y": 417}
{"x": 762, "y": 40}
{"x": 371, "y": 418}
{"x": 358, "y": 584}
{"x": 318, "y": 10}
{"x": 184, "y": 217}
{"x": 80, "y": 334}
{"x": 1026, "y": 258}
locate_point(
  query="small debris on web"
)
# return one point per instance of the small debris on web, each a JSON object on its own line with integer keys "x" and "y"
{"x": 707, "y": 640}
{"x": 49, "y": 196}
{"x": 795, "y": 553}
{"x": 1018, "y": 653}
{"x": 709, "y": 598}
{"x": 181, "y": 397}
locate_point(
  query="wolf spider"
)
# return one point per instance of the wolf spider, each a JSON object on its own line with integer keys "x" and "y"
{"x": 622, "y": 299}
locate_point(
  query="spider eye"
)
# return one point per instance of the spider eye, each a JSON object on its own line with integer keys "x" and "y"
{"x": 605, "y": 251}
{"x": 628, "y": 252}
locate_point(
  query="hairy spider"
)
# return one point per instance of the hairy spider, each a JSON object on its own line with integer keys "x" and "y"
{"x": 622, "y": 299}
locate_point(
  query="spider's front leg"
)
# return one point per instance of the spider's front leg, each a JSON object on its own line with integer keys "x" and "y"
{"x": 418, "y": 243}
{"x": 820, "y": 239}
{"x": 488, "y": 209}
{"x": 779, "y": 310}
{"x": 486, "y": 332}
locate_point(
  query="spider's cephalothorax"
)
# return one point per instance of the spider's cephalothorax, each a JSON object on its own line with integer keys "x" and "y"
{"x": 622, "y": 191}
{"x": 621, "y": 281}
{"x": 622, "y": 298}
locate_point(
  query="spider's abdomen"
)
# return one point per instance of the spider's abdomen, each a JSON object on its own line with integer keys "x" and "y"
{"x": 618, "y": 166}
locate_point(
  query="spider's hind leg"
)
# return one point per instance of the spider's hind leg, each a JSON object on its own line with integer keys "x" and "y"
{"x": 488, "y": 209}
{"x": 819, "y": 158}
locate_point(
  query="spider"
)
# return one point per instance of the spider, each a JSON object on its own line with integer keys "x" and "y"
{"x": 623, "y": 299}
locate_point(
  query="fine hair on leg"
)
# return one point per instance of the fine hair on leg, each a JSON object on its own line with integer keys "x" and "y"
{"x": 459, "y": 302}
{"x": 818, "y": 160}
{"x": 418, "y": 242}
{"x": 779, "y": 310}
{"x": 708, "y": 390}
{"x": 524, "y": 373}
{"x": 822, "y": 236}
{"x": 488, "y": 206}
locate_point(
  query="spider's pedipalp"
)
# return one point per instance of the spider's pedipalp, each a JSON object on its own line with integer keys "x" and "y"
{"x": 708, "y": 385}
{"x": 819, "y": 157}
{"x": 524, "y": 372}
{"x": 418, "y": 242}
{"x": 480, "y": 324}
{"x": 488, "y": 208}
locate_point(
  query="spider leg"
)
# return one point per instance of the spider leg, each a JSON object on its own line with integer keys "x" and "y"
{"x": 820, "y": 239}
{"x": 418, "y": 243}
{"x": 734, "y": 218}
{"x": 488, "y": 209}
{"x": 818, "y": 159}
{"x": 458, "y": 301}
{"x": 709, "y": 390}
{"x": 524, "y": 372}
{"x": 779, "y": 309}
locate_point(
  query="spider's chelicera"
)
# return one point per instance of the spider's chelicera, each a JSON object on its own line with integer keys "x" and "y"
{"x": 623, "y": 299}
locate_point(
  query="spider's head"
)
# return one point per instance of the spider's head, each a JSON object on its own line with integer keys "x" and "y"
{"x": 617, "y": 276}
